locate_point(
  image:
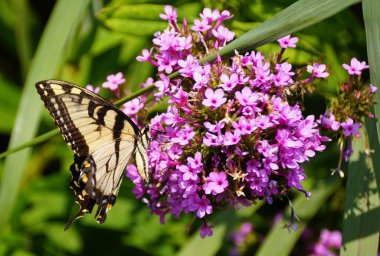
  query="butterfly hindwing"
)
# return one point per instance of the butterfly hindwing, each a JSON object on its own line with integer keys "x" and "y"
{"x": 103, "y": 139}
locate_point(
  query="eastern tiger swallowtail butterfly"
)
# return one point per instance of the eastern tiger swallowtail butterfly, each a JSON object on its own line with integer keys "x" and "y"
{"x": 103, "y": 139}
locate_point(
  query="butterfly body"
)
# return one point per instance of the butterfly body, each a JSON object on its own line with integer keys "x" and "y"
{"x": 103, "y": 139}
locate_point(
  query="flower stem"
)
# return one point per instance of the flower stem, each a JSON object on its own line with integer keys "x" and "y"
{"x": 32, "y": 142}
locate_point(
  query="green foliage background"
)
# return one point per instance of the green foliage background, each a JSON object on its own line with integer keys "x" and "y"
{"x": 84, "y": 42}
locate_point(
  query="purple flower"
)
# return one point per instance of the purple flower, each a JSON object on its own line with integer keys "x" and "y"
{"x": 211, "y": 140}
{"x": 356, "y": 67}
{"x": 213, "y": 98}
{"x": 210, "y": 15}
{"x": 201, "y": 76}
{"x": 350, "y": 128}
{"x": 196, "y": 162}
{"x": 232, "y": 138}
{"x": 225, "y": 15}
{"x": 145, "y": 55}
{"x": 318, "y": 70}
{"x": 113, "y": 81}
{"x": 200, "y": 26}
{"x": 189, "y": 186}
{"x": 286, "y": 140}
{"x": 216, "y": 183}
{"x": 287, "y": 41}
{"x": 189, "y": 173}
{"x": 170, "y": 13}
{"x": 200, "y": 205}
{"x": 246, "y": 97}
{"x": 223, "y": 34}
{"x": 188, "y": 66}
{"x": 96, "y": 89}
{"x": 132, "y": 107}
{"x": 245, "y": 126}
{"x": 217, "y": 128}
{"x": 228, "y": 83}
{"x": 372, "y": 88}
{"x": 328, "y": 121}
{"x": 166, "y": 63}
{"x": 184, "y": 135}
{"x": 206, "y": 230}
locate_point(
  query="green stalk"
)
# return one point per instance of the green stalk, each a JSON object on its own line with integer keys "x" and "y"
{"x": 361, "y": 223}
{"x": 35, "y": 141}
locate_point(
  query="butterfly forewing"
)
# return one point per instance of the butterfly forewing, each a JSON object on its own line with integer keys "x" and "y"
{"x": 102, "y": 137}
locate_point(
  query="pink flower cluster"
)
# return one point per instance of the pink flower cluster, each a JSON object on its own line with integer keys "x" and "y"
{"x": 344, "y": 116}
{"x": 229, "y": 136}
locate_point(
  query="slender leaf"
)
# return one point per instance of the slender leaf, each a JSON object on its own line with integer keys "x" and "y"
{"x": 362, "y": 213}
{"x": 206, "y": 246}
{"x": 362, "y": 208}
{"x": 223, "y": 222}
{"x": 305, "y": 211}
{"x": 372, "y": 26}
{"x": 299, "y": 15}
{"x": 45, "y": 64}
{"x": 23, "y": 33}
{"x": 9, "y": 97}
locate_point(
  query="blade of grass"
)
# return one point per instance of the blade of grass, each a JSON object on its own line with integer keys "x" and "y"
{"x": 362, "y": 207}
{"x": 299, "y": 15}
{"x": 372, "y": 27}
{"x": 32, "y": 142}
{"x": 224, "y": 221}
{"x": 305, "y": 210}
{"x": 22, "y": 29}
{"x": 65, "y": 17}
{"x": 362, "y": 212}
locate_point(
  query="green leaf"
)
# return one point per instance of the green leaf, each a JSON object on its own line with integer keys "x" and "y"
{"x": 305, "y": 210}
{"x": 138, "y": 20}
{"x": 221, "y": 223}
{"x": 361, "y": 221}
{"x": 205, "y": 246}
{"x": 372, "y": 28}
{"x": 362, "y": 207}
{"x": 9, "y": 97}
{"x": 299, "y": 15}
{"x": 23, "y": 29}
{"x": 45, "y": 65}
{"x": 72, "y": 240}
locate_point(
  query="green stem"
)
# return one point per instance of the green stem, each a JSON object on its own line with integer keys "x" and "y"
{"x": 30, "y": 143}
{"x": 135, "y": 95}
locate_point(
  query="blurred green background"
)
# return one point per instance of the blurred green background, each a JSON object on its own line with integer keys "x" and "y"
{"x": 105, "y": 37}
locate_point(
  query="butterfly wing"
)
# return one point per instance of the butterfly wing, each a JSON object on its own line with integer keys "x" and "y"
{"x": 102, "y": 137}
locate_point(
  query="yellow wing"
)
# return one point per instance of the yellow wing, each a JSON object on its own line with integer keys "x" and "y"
{"x": 103, "y": 139}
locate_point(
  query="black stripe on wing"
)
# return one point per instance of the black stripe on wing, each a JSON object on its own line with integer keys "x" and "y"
{"x": 58, "y": 95}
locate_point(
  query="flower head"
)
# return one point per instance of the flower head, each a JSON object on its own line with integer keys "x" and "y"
{"x": 213, "y": 98}
{"x": 356, "y": 67}
{"x": 288, "y": 42}
{"x": 113, "y": 81}
{"x": 318, "y": 70}
{"x": 350, "y": 128}
{"x": 170, "y": 13}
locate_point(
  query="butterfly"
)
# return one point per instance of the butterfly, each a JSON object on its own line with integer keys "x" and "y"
{"x": 103, "y": 139}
